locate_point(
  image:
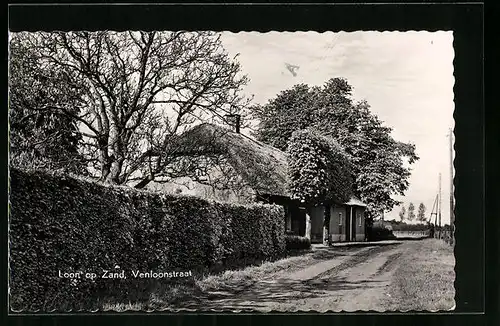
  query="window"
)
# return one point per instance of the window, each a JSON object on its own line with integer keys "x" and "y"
{"x": 340, "y": 223}
{"x": 359, "y": 218}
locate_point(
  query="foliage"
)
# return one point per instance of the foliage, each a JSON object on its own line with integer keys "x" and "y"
{"x": 318, "y": 169}
{"x": 380, "y": 231}
{"x": 39, "y": 137}
{"x": 58, "y": 223}
{"x": 291, "y": 110}
{"x": 402, "y": 213}
{"x": 421, "y": 212}
{"x": 378, "y": 160}
{"x": 296, "y": 242}
{"x": 137, "y": 92}
{"x": 411, "y": 212}
{"x": 402, "y": 226}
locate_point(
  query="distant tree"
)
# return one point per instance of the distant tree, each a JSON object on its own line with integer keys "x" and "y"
{"x": 411, "y": 212}
{"x": 402, "y": 214}
{"x": 378, "y": 160}
{"x": 421, "y": 212}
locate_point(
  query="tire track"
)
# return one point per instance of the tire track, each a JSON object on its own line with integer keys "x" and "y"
{"x": 389, "y": 263}
{"x": 354, "y": 260}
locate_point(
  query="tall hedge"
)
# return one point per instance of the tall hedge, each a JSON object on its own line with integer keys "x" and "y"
{"x": 58, "y": 223}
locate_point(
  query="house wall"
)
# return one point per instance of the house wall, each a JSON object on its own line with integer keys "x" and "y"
{"x": 288, "y": 218}
{"x": 297, "y": 220}
{"x": 317, "y": 215}
{"x": 360, "y": 224}
{"x": 186, "y": 186}
{"x": 337, "y": 232}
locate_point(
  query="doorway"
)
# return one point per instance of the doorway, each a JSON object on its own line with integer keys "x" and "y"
{"x": 298, "y": 219}
{"x": 350, "y": 225}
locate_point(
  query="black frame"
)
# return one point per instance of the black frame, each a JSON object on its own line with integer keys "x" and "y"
{"x": 466, "y": 20}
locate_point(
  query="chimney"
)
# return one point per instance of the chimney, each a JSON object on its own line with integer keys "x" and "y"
{"x": 235, "y": 120}
{"x": 237, "y": 123}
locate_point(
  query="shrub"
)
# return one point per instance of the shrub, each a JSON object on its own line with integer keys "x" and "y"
{"x": 58, "y": 223}
{"x": 379, "y": 232}
{"x": 296, "y": 242}
{"x": 402, "y": 226}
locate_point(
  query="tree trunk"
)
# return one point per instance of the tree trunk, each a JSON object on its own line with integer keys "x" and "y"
{"x": 326, "y": 226}
{"x": 104, "y": 171}
{"x": 105, "y": 168}
{"x": 104, "y": 158}
{"x": 116, "y": 169}
{"x": 144, "y": 182}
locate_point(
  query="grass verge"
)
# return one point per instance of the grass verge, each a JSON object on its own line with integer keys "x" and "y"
{"x": 425, "y": 278}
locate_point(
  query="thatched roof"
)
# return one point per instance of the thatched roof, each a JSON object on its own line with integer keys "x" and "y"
{"x": 261, "y": 166}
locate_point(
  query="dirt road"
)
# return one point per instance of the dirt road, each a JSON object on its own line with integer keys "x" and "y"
{"x": 347, "y": 279}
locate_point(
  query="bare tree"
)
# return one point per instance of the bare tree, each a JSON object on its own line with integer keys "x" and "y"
{"x": 140, "y": 91}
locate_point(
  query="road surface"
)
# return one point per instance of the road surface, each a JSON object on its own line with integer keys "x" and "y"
{"x": 347, "y": 279}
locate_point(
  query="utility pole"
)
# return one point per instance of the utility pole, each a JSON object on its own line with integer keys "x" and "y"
{"x": 440, "y": 204}
{"x": 452, "y": 213}
{"x": 434, "y": 211}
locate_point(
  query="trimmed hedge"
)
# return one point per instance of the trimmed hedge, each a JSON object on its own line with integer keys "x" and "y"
{"x": 58, "y": 223}
{"x": 402, "y": 226}
{"x": 296, "y": 242}
{"x": 380, "y": 232}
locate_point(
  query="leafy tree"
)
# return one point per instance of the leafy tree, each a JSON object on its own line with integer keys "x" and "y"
{"x": 41, "y": 138}
{"x": 421, "y": 212}
{"x": 411, "y": 212}
{"x": 318, "y": 169}
{"x": 319, "y": 172}
{"x": 402, "y": 214}
{"x": 378, "y": 161}
{"x": 138, "y": 92}
{"x": 291, "y": 110}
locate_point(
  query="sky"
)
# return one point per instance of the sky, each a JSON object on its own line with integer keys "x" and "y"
{"x": 406, "y": 77}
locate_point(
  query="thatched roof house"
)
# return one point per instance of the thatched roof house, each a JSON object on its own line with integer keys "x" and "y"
{"x": 261, "y": 166}
{"x": 256, "y": 169}
{"x": 263, "y": 170}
